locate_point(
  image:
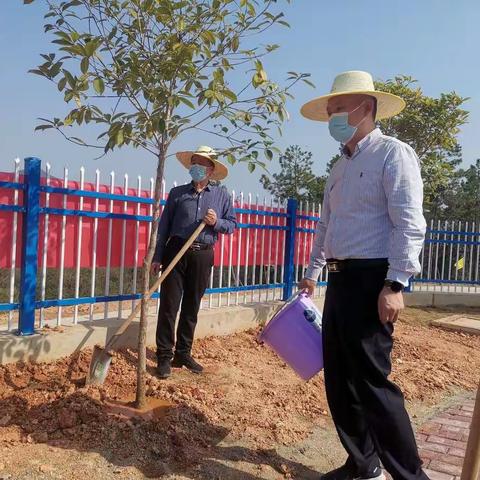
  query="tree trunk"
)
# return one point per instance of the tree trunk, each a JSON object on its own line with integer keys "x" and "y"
{"x": 147, "y": 261}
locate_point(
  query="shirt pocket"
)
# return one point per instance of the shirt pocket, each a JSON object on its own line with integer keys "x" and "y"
{"x": 368, "y": 187}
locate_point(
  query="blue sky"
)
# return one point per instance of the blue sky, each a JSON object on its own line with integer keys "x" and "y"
{"x": 434, "y": 41}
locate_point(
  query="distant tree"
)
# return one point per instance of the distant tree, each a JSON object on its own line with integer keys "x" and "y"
{"x": 296, "y": 178}
{"x": 430, "y": 125}
{"x": 332, "y": 162}
{"x": 462, "y": 201}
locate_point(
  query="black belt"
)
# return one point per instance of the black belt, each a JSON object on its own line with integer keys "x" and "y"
{"x": 195, "y": 246}
{"x": 334, "y": 265}
{"x": 200, "y": 246}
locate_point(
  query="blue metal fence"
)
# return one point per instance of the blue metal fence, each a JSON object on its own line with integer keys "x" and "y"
{"x": 283, "y": 222}
{"x": 451, "y": 255}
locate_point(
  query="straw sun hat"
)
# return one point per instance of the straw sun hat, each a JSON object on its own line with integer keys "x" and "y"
{"x": 354, "y": 82}
{"x": 220, "y": 171}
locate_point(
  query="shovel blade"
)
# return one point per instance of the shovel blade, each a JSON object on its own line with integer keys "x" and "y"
{"x": 99, "y": 366}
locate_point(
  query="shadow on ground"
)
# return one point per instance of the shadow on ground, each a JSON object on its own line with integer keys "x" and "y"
{"x": 182, "y": 441}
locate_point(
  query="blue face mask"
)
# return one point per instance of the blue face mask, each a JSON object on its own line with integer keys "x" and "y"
{"x": 198, "y": 172}
{"x": 339, "y": 127}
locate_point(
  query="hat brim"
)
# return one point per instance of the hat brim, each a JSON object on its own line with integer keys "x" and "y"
{"x": 220, "y": 171}
{"x": 388, "y": 105}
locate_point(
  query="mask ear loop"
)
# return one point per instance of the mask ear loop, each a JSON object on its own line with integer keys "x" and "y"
{"x": 362, "y": 120}
{"x": 348, "y": 113}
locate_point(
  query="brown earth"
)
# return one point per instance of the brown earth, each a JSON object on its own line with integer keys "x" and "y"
{"x": 247, "y": 396}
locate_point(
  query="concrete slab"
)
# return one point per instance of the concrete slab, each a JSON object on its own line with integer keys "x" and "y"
{"x": 446, "y": 299}
{"x": 418, "y": 299}
{"x": 459, "y": 323}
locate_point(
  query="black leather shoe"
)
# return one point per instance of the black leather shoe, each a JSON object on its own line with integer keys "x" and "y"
{"x": 345, "y": 472}
{"x": 186, "y": 361}
{"x": 163, "y": 369}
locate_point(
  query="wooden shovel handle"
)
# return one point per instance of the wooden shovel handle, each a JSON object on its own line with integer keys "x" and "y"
{"x": 155, "y": 286}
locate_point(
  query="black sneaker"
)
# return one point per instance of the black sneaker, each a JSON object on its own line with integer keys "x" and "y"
{"x": 345, "y": 472}
{"x": 163, "y": 369}
{"x": 186, "y": 361}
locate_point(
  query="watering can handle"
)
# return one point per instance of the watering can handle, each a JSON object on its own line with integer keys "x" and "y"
{"x": 287, "y": 302}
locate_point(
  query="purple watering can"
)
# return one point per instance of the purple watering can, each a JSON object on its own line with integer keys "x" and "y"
{"x": 295, "y": 335}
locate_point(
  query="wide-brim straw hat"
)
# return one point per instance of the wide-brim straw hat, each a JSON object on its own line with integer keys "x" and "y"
{"x": 220, "y": 171}
{"x": 354, "y": 82}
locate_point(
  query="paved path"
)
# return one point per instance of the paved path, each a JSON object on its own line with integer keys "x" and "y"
{"x": 442, "y": 441}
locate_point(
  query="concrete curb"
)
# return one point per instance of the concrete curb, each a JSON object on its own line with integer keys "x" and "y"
{"x": 443, "y": 299}
{"x": 51, "y": 344}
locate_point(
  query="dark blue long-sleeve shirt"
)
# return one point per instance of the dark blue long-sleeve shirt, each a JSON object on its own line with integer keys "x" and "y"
{"x": 185, "y": 209}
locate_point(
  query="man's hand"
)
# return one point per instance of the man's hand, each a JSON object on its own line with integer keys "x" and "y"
{"x": 155, "y": 268}
{"x": 307, "y": 285}
{"x": 390, "y": 304}
{"x": 210, "y": 218}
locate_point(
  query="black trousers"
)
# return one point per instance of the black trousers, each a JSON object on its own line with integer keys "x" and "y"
{"x": 186, "y": 283}
{"x": 367, "y": 409}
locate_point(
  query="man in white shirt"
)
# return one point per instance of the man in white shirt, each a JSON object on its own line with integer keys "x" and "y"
{"x": 370, "y": 236}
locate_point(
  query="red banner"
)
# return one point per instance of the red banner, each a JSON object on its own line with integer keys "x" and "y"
{"x": 252, "y": 246}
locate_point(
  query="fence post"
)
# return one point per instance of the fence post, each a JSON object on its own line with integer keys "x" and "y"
{"x": 289, "y": 248}
{"x": 30, "y": 227}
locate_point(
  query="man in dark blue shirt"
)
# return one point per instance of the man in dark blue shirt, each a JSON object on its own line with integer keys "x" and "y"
{"x": 187, "y": 205}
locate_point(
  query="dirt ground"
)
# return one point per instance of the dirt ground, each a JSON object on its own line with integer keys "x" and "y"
{"x": 248, "y": 417}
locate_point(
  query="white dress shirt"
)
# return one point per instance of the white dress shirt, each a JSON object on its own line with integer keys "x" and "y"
{"x": 372, "y": 208}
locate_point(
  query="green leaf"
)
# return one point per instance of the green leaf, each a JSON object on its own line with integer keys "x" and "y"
{"x": 230, "y": 95}
{"x": 70, "y": 79}
{"x": 161, "y": 125}
{"x": 259, "y": 78}
{"x": 99, "y": 86}
{"x": 251, "y": 167}
{"x": 37, "y": 72}
{"x": 84, "y": 64}
{"x": 308, "y": 82}
{"x": 120, "y": 137}
{"x": 187, "y": 102}
{"x": 61, "y": 84}
{"x": 42, "y": 127}
{"x": 271, "y": 48}
{"x": 90, "y": 48}
{"x": 220, "y": 97}
{"x": 269, "y": 154}
{"x": 68, "y": 121}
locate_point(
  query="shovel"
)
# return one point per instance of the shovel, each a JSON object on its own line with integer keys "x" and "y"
{"x": 102, "y": 357}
